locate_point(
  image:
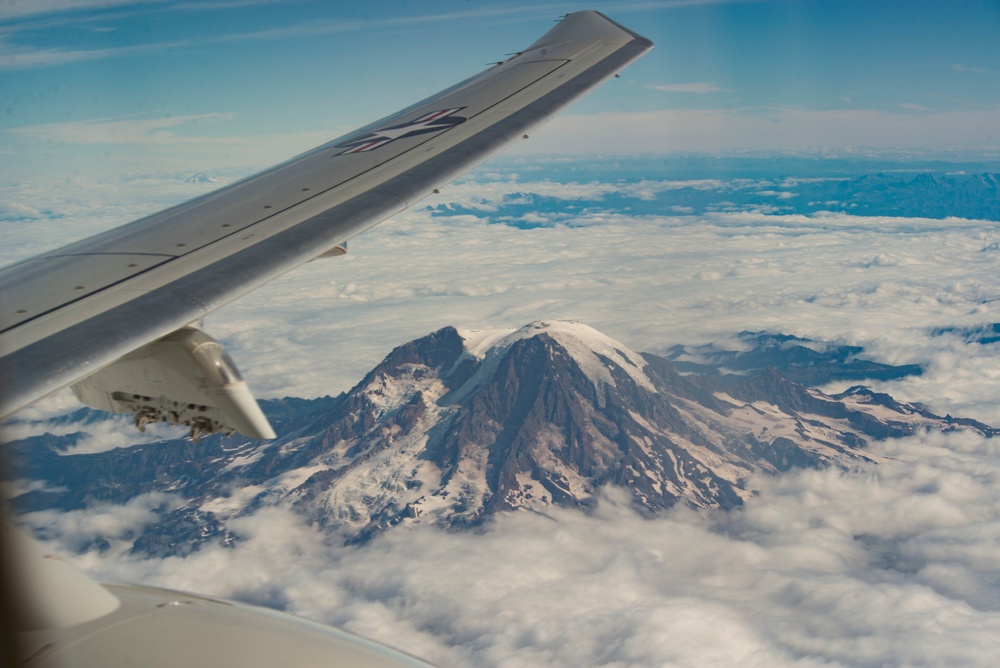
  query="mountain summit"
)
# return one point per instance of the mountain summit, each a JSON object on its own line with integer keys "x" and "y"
{"x": 460, "y": 424}
{"x": 201, "y": 177}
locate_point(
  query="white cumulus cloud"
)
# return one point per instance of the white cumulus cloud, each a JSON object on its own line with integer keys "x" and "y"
{"x": 888, "y": 564}
{"x": 891, "y": 564}
{"x": 699, "y": 87}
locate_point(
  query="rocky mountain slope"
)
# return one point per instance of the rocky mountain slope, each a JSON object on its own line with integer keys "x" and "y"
{"x": 458, "y": 425}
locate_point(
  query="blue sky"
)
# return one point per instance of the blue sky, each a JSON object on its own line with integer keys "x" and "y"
{"x": 240, "y": 83}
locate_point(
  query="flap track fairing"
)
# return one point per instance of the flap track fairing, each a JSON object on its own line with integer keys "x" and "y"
{"x": 185, "y": 378}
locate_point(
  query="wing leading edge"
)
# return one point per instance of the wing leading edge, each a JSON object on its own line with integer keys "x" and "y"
{"x": 69, "y": 316}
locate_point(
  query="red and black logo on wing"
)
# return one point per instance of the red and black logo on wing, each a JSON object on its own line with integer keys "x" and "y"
{"x": 435, "y": 121}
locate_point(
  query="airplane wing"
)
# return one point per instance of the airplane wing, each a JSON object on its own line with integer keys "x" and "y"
{"x": 115, "y": 315}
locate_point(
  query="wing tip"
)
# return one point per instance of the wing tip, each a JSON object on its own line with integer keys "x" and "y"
{"x": 590, "y": 23}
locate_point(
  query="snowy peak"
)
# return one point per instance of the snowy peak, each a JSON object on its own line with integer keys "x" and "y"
{"x": 201, "y": 177}
{"x": 595, "y": 353}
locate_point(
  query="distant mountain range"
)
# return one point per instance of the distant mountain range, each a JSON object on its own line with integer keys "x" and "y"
{"x": 201, "y": 177}
{"x": 925, "y": 195}
{"x": 456, "y": 426}
{"x": 809, "y": 363}
{"x": 700, "y": 185}
{"x": 982, "y": 334}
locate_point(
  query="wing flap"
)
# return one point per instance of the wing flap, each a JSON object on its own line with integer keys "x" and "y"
{"x": 45, "y": 284}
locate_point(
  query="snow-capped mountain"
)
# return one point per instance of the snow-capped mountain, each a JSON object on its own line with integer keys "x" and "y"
{"x": 456, "y": 426}
{"x": 201, "y": 177}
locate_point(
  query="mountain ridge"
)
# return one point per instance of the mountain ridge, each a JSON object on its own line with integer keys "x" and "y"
{"x": 457, "y": 426}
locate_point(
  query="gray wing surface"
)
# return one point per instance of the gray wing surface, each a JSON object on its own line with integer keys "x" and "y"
{"x": 72, "y": 312}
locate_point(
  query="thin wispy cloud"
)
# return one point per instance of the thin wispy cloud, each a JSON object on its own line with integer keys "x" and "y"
{"x": 18, "y": 9}
{"x": 776, "y": 127}
{"x": 20, "y": 57}
{"x": 15, "y": 56}
{"x": 655, "y": 5}
{"x": 121, "y": 131}
{"x": 22, "y": 8}
{"x": 699, "y": 87}
{"x": 11, "y": 9}
{"x": 24, "y": 56}
{"x": 214, "y": 5}
{"x": 959, "y": 67}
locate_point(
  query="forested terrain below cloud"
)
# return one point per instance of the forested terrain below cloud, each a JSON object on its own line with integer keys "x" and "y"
{"x": 926, "y": 194}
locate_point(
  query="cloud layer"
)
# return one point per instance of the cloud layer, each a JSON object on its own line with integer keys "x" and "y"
{"x": 890, "y": 564}
{"x": 700, "y": 87}
{"x": 773, "y": 127}
{"x": 650, "y": 281}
